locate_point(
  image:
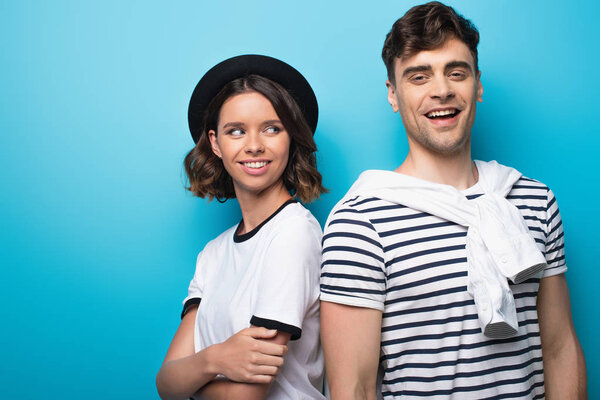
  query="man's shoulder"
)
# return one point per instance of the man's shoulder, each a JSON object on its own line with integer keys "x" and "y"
{"x": 530, "y": 190}
{"x": 525, "y": 182}
{"x": 367, "y": 212}
{"x": 361, "y": 203}
{"x": 362, "y": 206}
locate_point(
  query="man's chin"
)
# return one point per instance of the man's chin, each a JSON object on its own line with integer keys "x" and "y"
{"x": 448, "y": 146}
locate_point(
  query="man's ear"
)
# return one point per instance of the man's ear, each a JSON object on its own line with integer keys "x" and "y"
{"x": 392, "y": 99}
{"x": 212, "y": 135}
{"x": 479, "y": 88}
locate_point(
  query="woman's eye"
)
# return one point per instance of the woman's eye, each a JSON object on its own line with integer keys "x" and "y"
{"x": 272, "y": 129}
{"x": 235, "y": 132}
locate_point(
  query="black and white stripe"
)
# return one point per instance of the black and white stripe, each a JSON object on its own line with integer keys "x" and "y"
{"x": 412, "y": 266}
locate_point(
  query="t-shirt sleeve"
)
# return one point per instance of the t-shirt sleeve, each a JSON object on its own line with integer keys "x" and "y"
{"x": 195, "y": 288}
{"x": 289, "y": 278}
{"x": 555, "y": 241}
{"x": 353, "y": 265}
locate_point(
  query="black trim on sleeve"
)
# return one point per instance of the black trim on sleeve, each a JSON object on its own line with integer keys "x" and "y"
{"x": 245, "y": 236}
{"x": 280, "y": 326}
{"x": 188, "y": 304}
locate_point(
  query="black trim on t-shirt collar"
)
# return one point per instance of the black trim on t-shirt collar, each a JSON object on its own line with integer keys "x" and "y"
{"x": 245, "y": 236}
{"x": 280, "y": 326}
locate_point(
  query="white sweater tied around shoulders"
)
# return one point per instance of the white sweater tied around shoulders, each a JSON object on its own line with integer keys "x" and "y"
{"x": 499, "y": 245}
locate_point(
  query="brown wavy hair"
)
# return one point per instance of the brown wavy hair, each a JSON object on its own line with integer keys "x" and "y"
{"x": 208, "y": 178}
{"x": 427, "y": 27}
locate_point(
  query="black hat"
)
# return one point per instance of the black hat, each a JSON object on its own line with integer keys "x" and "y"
{"x": 251, "y": 64}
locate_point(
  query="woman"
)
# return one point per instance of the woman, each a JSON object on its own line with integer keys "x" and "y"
{"x": 250, "y": 327}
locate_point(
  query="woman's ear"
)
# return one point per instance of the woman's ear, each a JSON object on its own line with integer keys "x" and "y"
{"x": 212, "y": 135}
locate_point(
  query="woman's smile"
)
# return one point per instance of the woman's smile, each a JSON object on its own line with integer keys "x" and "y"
{"x": 255, "y": 167}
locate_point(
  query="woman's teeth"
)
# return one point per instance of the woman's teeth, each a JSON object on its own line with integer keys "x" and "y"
{"x": 255, "y": 164}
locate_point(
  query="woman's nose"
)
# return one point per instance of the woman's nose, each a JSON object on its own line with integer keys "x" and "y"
{"x": 254, "y": 143}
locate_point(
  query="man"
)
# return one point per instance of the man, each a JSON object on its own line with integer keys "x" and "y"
{"x": 418, "y": 281}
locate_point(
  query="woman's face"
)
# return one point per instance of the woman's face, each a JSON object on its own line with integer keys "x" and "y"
{"x": 252, "y": 143}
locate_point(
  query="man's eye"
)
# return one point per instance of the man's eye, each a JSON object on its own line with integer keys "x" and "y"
{"x": 418, "y": 79}
{"x": 457, "y": 75}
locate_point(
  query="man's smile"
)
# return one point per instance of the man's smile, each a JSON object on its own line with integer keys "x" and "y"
{"x": 443, "y": 114}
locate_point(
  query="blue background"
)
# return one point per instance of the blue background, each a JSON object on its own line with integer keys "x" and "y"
{"x": 98, "y": 238}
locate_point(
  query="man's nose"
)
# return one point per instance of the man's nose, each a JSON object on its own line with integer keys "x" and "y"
{"x": 441, "y": 88}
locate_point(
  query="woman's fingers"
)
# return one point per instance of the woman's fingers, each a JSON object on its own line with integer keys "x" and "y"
{"x": 250, "y": 356}
{"x": 267, "y": 370}
{"x": 273, "y": 361}
{"x": 258, "y": 332}
{"x": 271, "y": 349}
{"x": 262, "y": 346}
{"x": 257, "y": 374}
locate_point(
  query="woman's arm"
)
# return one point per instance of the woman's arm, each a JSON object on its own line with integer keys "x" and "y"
{"x": 243, "y": 357}
{"x": 225, "y": 389}
{"x": 183, "y": 371}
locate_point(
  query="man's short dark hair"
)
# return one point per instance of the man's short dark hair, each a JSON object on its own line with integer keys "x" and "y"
{"x": 427, "y": 27}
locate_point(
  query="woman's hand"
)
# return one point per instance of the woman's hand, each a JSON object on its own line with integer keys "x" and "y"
{"x": 249, "y": 357}
{"x": 252, "y": 356}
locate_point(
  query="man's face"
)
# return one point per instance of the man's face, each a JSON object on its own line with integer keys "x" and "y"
{"x": 436, "y": 93}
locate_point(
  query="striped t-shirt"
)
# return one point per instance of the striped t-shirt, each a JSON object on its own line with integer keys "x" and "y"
{"x": 412, "y": 266}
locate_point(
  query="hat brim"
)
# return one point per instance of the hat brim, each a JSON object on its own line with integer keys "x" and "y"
{"x": 251, "y": 64}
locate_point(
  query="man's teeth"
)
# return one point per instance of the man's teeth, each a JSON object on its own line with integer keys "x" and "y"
{"x": 441, "y": 113}
{"x": 256, "y": 164}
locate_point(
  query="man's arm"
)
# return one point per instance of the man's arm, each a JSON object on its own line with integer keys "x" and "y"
{"x": 351, "y": 339}
{"x": 564, "y": 364}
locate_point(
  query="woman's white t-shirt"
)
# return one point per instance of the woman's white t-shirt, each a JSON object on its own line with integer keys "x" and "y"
{"x": 267, "y": 277}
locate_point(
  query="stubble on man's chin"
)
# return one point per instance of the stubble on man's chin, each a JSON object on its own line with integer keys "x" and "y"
{"x": 444, "y": 148}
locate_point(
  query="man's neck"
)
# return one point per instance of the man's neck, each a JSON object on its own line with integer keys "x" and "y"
{"x": 457, "y": 170}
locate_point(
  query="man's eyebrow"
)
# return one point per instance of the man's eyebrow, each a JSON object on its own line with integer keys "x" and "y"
{"x": 458, "y": 64}
{"x": 417, "y": 68}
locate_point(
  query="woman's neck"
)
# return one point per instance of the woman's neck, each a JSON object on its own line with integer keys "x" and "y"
{"x": 258, "y": 207}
